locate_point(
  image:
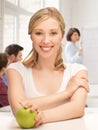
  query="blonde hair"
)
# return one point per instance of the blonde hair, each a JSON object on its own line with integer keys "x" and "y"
{"x": 37, "y": 18}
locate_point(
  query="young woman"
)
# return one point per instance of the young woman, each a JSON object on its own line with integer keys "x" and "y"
{"x": 72, "y": 52}
{"x": 42, "y": 82}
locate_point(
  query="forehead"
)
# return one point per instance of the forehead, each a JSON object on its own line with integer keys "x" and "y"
{"x": 75, "y": 33}
{"x": 48, "y": 23}
{"x": 19, "y": 53}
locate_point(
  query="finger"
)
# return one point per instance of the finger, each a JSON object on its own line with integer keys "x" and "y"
{"x": 85, "y": 85}
{"x": 26, "y": 105}
{"x": 84, "y": 78}
{"x": 34, "y": 108}
{"x": 38, "y": 121}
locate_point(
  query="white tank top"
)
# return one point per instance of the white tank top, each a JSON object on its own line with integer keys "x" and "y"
{"x": 28, "y": 82}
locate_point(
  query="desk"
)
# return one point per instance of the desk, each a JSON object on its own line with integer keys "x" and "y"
{"x": 88, "y": 122}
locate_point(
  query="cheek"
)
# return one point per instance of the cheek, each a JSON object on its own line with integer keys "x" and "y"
{"x": 58, "y": 41}
{"x": 57, "y": 46}
{"x": 35, "y": 40}
{"x": 72, "y": 37}
{"x": 35, "y": 45}
{"x": 78, "y": 37}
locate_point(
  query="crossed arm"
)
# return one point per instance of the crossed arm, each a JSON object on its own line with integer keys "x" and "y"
{"x": 75, "y": 92}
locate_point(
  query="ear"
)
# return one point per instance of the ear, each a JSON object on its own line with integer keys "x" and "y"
{"x": 12, "y": 57}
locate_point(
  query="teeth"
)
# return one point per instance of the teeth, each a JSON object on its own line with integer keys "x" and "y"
{"x": 46, "y": 48}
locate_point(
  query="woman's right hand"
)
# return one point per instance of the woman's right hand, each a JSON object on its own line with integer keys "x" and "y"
{"x": 27, "y": 103}
{"x": 80, "y": 50}
{"x": 33, "y": 107}
{"x": 76, "y": 82}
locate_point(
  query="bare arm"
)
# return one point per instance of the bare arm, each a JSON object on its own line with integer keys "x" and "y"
{"x": 15, "y": 89}
{"x": 72, "y": 109}
{"x": 18, "y": 99}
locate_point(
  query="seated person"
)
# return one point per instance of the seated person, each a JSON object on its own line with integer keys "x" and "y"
{"x": 43, "y": 83}
{"x": 3, "y": 87}
{"x": 14, "y": 52}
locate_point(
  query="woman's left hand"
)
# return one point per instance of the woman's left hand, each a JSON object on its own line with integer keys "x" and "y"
{"x": 39, "y": 119}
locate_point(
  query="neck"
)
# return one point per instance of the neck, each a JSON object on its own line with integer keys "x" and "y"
{"x": 74, "y": 42}
{"x": 44, "y": 63}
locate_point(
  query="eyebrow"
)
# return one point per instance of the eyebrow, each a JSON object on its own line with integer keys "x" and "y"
{"x": 55, "y": 29}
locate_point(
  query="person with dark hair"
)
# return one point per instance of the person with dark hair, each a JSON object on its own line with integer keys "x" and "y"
{"x": 3, "y": 87}
{"x": 42, "y": 82}
{"x": 14, "y": 51}
{"x": 73, "y": 53}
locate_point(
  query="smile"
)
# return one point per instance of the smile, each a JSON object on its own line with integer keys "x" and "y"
{"x": 46, "y": 49}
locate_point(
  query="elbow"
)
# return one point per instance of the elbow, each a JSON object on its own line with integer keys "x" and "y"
{"x": 80, "y": 112}
{"x": 79, "y": 115}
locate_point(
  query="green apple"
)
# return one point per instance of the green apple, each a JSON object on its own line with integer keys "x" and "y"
{"x": 25, "y": 118}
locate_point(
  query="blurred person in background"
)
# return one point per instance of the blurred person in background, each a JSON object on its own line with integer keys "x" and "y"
{"x": 3, "y": 87}
{"x": 14, "y": 52}
{"x": 73, "y": 53}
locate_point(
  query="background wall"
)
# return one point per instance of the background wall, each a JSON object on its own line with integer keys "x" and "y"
{"x": 1, "y": 25}
{"x": 65, "y": 9}
{"x": 83, "y": 15}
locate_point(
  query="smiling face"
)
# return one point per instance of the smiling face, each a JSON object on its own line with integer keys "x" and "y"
{"x": 47, "y": 37}
{"x": 46, "y": 29}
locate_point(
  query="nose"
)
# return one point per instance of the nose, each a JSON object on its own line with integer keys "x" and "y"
{"x": 46, "y": 39}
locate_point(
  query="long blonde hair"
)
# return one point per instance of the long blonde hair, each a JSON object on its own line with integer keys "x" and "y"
{"x": 37, "y": 18}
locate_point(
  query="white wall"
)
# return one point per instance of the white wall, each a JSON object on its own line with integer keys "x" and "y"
{"x": 1, "y": 24}
{"x": 65, "y": 9}
{"x": 84, "y": 13}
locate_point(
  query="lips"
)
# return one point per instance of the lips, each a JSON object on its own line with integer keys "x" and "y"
{"x": 46, "y": 48}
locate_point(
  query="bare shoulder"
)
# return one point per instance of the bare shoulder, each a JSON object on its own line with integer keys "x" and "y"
{"x": 78, "y": 69}
{"x": 16, "y": 68}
